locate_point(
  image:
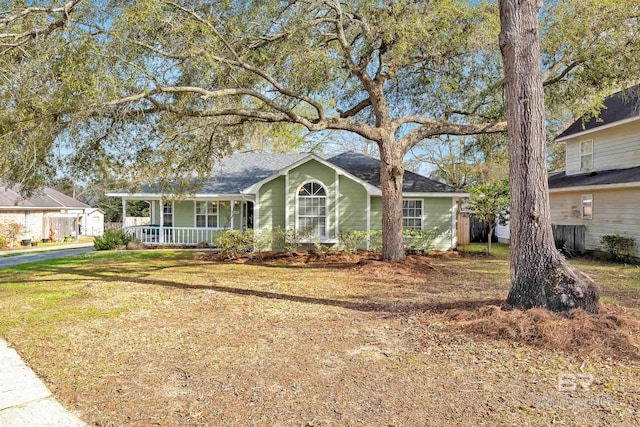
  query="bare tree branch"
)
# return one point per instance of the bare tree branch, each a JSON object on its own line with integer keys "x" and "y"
{"x": 12, "y": 41}
{"x": 434, "y": 128}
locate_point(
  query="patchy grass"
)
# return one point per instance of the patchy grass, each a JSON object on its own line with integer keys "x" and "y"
{"x": 498, "y": 250}
{"x": 20, "y": 250}
{"x": 172, "y": 338}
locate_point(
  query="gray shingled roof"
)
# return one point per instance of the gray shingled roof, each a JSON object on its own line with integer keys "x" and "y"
{"x": 612, "y": 176}
{"x": 368, "y": 169}
{"x": 619, "y": 106}
{"x": 234, "y": 173}
{"x": 47, "y": 198}
{"x": 238, "y": 171}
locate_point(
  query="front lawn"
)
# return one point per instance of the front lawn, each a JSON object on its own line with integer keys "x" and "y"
{"x": 170, "y": 338}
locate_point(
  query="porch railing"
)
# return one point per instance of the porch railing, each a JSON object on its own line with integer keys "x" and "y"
{"x": 177, "y": 236}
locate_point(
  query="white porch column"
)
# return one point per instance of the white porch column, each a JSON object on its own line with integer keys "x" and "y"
{"x": 161, "y": 231}
{"x": 232, "y": 203}
{"x": 124, "y": 213}
{"x": 241, "y": 217}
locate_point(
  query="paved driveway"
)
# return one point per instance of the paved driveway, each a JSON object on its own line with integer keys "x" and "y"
{"x": 42, "y": 255}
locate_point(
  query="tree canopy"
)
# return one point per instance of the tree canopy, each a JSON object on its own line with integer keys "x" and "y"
{"x": 137, "y": 87}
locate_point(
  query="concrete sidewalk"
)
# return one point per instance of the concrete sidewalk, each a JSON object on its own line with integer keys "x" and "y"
{"x": 35, "y": 255}
{"x": 24, "y": 399}
{"x": 35, "y": 249}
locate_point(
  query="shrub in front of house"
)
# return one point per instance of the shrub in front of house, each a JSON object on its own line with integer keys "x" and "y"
{"x": 351, "y": 241}
{"x": 419, "y": 241}
{"x": 112, "y": 239}
{"x": 10, "y": 231}
{"x": 618, "y": 247}
{"x": 230, "y": 243}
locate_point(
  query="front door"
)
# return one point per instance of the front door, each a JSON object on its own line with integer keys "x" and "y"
{"x": 248, "y": 214}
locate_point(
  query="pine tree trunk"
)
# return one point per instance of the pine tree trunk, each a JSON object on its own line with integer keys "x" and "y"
{"x": 391, "y": 173}
{"x": 540, "y": 276}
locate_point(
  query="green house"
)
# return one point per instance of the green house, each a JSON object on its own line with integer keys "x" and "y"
{"x": 294, "y": 191}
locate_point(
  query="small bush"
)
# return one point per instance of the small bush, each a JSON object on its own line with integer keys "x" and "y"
{"x": 618, "y": 247}
{"x": 375, "y": 240}
{"x": 419, "y": 241}
{"x": 232, "y": 242}
{"x": 11, "y": 231}
{"x": 112, "y": 239}
{"x": 3, "y": 243}
{"x": 350, "y": 241}
{"x": 561, "y": 246}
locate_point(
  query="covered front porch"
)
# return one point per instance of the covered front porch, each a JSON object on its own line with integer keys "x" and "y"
{"x": 190, "y": 221}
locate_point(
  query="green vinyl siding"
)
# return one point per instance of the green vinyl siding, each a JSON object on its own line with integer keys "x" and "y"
{"x": 183, "y": 213}
{"x": 376, "y": 213}
{"x": 352, "y": 205}
{"x": 436, "y": 213}
{"x": 317, "y": 172}
{"x": 271, "y": 204}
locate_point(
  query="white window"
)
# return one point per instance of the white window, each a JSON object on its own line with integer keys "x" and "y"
{"x": 587, "y": 206}
{"x": 167, "y": 214}
{"x": 586, "y": 155}
{"x": 412, "y": 214}
{"x": 207, "y": 214}
{"x": 312, "y": 208}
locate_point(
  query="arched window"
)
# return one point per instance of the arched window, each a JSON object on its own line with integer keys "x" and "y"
{"x": 312, "y": 208}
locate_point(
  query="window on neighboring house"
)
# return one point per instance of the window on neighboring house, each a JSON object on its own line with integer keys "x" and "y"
{"x": 167, "y": 214}
{"x": 586, "y": 155}
{"x": 207, "y": 214}
{"x": 412, "y": 214}
{"x": 587, "y": 206}
{"x": 312, "y": 208}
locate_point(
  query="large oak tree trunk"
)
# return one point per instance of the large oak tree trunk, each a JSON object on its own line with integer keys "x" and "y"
{"x": 540, "y": 276}
{"x": 391, "y": 173}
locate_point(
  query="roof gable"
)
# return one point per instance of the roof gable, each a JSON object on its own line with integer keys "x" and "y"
{"x": 621, "y": 106}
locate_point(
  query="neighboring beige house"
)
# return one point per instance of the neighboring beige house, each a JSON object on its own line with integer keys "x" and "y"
{"x": 47, "y": 209}
{"x": 600, "y": 187}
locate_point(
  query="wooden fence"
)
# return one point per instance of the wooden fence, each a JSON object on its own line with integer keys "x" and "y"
{"x": 470, "y": 229}
{"x": 62, "y": 225}
{"x": 572, "y": 235}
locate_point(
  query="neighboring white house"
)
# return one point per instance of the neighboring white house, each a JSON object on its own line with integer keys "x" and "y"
{"x": 503, "y": 232}
{"x": 41, "y": 212}
{"x": 92, "y": 223}
{"x": 600, "y": 186}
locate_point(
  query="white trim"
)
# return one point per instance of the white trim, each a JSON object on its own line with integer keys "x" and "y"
{"x": 414, "y": 199}
{"x": 336, "y": 207}
{"x": 603, "y": 127}
{"x": 241, "y": 215}
{"x": 595, "y": 187}
{"x": 368, "y": 220}
{"x": 256, "y": 213}
{"x": 198, "y": 196}
{"x": 231, "y": 214}
{"x": 326, "y": 206}
{"x": 254, "y": 188}
{"x": 124, "y": 212}
{"x": 454, "y": 223}
{"x": 417, "y": 195}
{"x": 287, "y": 202}
{"x": 580, "y": 155}
{"x": 206, "y": 214}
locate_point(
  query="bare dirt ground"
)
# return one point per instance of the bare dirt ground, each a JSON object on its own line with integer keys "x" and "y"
{"x": 323, "y": 341}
